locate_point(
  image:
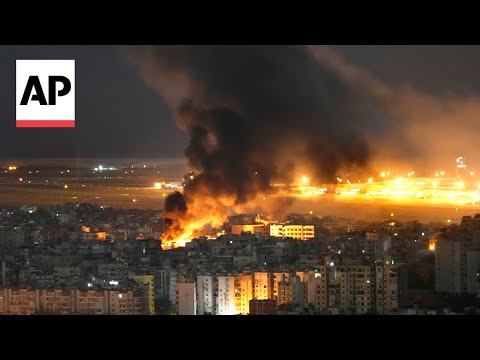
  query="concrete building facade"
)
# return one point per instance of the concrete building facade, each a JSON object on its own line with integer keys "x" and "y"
{"x": 262, "y": 285}
{"x": 149, "y": 282}
{"x": 186, "y": 302}
{"x": 299, "y": 232}
{"x": 207, "y": 288}
{"x": 71, "y": 302}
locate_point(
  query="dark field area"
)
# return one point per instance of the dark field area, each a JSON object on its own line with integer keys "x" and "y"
{"x": 131, "y": 184}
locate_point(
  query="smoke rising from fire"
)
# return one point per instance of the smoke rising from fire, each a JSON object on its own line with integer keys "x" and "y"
{"x": 254, "y": 114}
{"x": 175, "y": 211}
{"x": 425, "y": 131}
{"x": 252, "y": 110}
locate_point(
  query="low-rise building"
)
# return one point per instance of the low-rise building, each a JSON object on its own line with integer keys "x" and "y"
{"x": 262, "y": 307}
{"x": 299, "y": 232}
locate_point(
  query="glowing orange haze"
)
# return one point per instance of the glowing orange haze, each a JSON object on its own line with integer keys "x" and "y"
{"x": 439, "y": 189}
{"x": 202, "y": 211}
{"x": 429, "y": 131}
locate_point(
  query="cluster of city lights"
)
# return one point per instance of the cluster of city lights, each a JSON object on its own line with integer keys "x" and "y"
{"x": 459, "y": 188}
{"x": 102, "y": 168}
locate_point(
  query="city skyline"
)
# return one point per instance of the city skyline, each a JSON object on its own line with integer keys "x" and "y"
{"x": 240, "y": 180}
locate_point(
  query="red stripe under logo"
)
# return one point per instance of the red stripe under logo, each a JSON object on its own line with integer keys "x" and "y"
{"x": 45, "y": 123}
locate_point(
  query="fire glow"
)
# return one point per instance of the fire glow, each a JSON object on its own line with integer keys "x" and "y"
{"x": 183, "y": 223}
{"x": 241, "y": 138}
{"x": 450, "y": 191}
{"x": 397, "y": 190}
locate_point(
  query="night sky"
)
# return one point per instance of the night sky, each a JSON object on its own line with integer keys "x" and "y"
{"x": 118, "y": 115}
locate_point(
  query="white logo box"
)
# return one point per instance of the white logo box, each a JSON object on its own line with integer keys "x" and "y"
{"x": 35, "y": 115}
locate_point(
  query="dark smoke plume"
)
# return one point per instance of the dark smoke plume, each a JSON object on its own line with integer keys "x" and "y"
{"x": 175, "y": 210}
{"x": 251, "y": 111}
{"x": 175, "y": 204}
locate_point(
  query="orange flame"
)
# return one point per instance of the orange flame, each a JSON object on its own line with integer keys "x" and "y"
{"x": 206, "y": 210}
{"x": 202, "y": 211}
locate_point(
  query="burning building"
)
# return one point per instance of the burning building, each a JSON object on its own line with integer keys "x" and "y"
{"x": 299, "y": 232}
{"x": 260, "y": 115}
{"x": 238, "y": 104}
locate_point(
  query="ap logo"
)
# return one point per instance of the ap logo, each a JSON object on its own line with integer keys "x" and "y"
{"x": 45, "y": 93}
